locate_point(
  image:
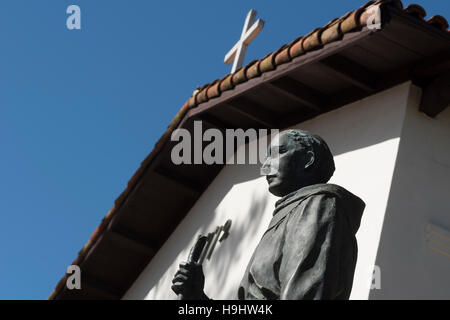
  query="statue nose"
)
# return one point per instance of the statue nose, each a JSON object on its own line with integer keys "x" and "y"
{"x": 265, "y": 168}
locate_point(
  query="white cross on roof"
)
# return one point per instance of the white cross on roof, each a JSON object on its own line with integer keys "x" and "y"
{"x": 249, "y": 32}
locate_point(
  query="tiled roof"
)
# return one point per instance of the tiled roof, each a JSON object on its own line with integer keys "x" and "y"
{"x": 316, "y": 39}
{"x": 319, "y": 37}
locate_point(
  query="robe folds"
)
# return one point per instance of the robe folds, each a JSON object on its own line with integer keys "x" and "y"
{"x": 309, "y": 250}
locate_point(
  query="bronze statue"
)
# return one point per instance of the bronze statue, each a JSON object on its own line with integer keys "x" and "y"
{"x": 309, "y": 250}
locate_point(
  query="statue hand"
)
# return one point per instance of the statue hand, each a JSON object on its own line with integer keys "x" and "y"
{"x": 189, "y": 281}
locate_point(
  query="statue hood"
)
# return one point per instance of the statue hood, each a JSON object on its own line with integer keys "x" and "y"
{"x": 352, "y": 205}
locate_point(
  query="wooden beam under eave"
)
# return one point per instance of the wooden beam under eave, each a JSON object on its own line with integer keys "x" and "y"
{"x": 131, "y": 243}
{"x": 91, "y": 288}
{"x": 250, "y": 110}
{"x": 214, "y": 121}
{"x": 436, "y": 96}
{"x": 102, "y": 288}
{"x": 193, "y": 186}
{"x": 294, "y": 90}
{"x": 351, "y": 72}
{"x": 430, "y": 67}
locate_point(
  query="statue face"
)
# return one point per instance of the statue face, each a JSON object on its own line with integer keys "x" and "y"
{"x": 292, "y": 160}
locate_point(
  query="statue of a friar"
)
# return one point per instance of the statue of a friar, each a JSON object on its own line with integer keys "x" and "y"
{"x": 309, "y": 249}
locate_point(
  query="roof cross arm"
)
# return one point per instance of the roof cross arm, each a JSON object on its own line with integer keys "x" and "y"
{"x": 251, "y": 29}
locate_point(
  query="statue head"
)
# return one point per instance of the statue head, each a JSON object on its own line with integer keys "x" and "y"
{"x": 300, "y": 159}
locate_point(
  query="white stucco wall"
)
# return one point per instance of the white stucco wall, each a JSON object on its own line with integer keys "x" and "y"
{"x": 420, "y": 196}
{"x": 363, "y": 136}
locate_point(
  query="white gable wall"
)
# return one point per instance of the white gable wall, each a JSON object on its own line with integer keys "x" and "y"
{"x": 420, "y": 196}
{"x": 364, "y": 137}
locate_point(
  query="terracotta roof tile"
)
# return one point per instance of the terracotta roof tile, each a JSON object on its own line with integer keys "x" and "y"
{"x": 191, "y": 101}
{"x": 297, "y": 48}
{"x": 268, "y": 63}
{"x": 253, "y": 70}
{"x": 214, "y": 90}
{"x": 332, "y": 32}
{"x": 246, "y": 71}
{"x": 283, "y": 56}
{"x": 201, "y": 96}
{"x": 226, "y": 83}
{"x": 439, "y": 22}
{"x": 239, "y": 76}
{"x": 351, "y": 21}
{"x": 319, "y": 37}
{"x": 396, "y": 3}
{"x": 416, "y": 11}
{"x": 312, "y": 41}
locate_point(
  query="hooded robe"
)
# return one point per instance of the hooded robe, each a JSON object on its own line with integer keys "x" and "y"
{"x": 309, "y": 250}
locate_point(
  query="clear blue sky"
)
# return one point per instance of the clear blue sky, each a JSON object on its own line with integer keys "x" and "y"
{"x": 79, "y": 110}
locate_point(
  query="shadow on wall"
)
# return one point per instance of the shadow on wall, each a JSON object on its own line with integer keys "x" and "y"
{"x": 236, "y": 249}
{"x": 375, "y": 119}
{"x": 240, "y": 193}
{"x": 419, "y": 194}
{"x": 203, "y": 218}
